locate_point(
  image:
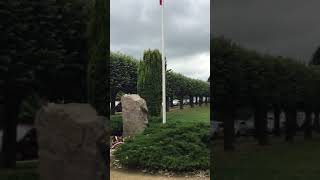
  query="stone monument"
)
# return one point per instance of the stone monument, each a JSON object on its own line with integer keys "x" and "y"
{"x": 71, "y": 140}
{"x": 134, "y": 114}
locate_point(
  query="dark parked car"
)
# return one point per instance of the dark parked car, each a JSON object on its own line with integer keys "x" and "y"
{"x": 27, "y": 147}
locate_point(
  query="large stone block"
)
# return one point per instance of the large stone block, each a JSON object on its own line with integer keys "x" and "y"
{"x": 134, "y": 114}
{"x": 72, "y": 143}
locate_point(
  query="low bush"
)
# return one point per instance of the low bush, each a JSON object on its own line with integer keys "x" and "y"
{"x": 154, "y": 120}
{"x": 175, "y": 146}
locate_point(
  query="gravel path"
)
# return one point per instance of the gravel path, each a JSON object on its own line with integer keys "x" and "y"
{"x": 124, "y": 175}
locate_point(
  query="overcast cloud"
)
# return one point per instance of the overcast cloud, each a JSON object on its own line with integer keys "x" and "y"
{"x": 136, "y": 26}
{"x": 279, "y": 27}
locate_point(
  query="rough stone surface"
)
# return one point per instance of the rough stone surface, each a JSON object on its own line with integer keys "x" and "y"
{"x": 71, "y": 138}
{"x": 134, "y": 114}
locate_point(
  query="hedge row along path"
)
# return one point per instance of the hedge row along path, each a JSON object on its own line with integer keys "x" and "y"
{"x": 124, "y": 79}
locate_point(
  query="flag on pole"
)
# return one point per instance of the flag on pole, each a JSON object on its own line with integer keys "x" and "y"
{"x": 161, "y": 1}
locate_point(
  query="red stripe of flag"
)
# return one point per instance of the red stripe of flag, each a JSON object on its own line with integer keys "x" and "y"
{"x": 161, "y": 2}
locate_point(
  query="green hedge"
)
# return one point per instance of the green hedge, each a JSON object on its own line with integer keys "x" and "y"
{"x": 124, "y": 78}
{"x": 178, "y": 147}
{"x": 116, "y": 125}
{"x": 123, "y": 74}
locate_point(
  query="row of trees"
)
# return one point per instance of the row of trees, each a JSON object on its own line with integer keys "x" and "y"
{"x": 245, "y": 78}
{"x": 127, "y": 73}
{"x": 182, "y": 87}
{"x": 44, "y": 53}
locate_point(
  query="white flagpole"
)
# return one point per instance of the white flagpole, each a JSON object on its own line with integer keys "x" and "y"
{"x": 163, "y": 73}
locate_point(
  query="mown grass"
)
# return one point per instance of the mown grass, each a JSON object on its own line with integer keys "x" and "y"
{"x": 23, "y": 171}
{"x": 175, "y": 115}
{"x": 196, "y": 114}
{"x": 187, "y": 114}
{"x": 278, "y": 161}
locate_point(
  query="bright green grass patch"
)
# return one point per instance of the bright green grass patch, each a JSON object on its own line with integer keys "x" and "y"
{"x": 280, "y": 160}
{"x": 196, "y": 114}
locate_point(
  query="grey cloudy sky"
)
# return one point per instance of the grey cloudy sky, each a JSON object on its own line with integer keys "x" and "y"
{"x": 279, "y": 27}
{"x": 136, "y": 26}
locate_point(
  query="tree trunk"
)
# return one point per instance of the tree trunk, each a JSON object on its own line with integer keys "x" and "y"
{"x": 228, "y": 119}
{"x": 206, "y": 101}
{"x": 295, "y": 123}
{"x": 277, "y": 121}
{"x": 316, "y": 123}
{"x": 255, "y": 119}
{"x": 196, "y": 100}
{"x": 261, "y": 120}
{"x": 9, "y": 145}
{"x": 181, "y": 103}
{"x": 113, "y": 104}
{"x": 171, "y": 102}
{"x": 291, "y": 116}
{"x": 191, "y": 101}
{"x": 167, "y": 104}
{"x": 200, "y": 101}
{"x": 307, "y": 125}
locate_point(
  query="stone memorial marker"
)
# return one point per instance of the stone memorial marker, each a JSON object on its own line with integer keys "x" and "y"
{"x": 134, "y": 114}
{"x": 71, "y": 138}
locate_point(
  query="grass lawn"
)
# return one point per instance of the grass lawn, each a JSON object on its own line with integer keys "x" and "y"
{"x": 175, "y": 115}
{"x": 24, "y": 171}
{"x": 187, "y": 114}
{"x": 196, "y": 114}
{"x": 278, "y": 161}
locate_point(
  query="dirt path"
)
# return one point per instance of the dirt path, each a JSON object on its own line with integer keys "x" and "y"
{"x": 123, "y": 175}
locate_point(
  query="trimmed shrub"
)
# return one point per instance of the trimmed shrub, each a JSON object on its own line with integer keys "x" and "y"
{"x": 123, "y": 77}
{"x": 179, "y": 146}
{"x": 149, "y": 81}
